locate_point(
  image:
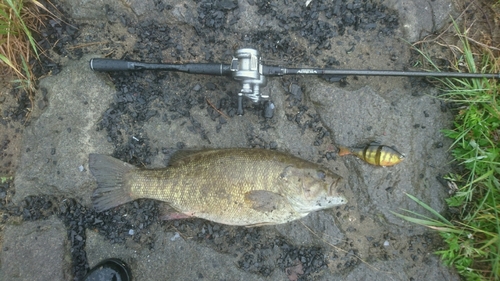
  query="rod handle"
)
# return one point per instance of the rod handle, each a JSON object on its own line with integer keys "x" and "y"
{"x": 208, "y": 69}
{"x": 98, "y": 64}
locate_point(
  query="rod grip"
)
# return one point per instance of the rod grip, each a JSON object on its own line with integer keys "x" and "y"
{"x": 207, "y": 68}
{"x": 97, "y": 64}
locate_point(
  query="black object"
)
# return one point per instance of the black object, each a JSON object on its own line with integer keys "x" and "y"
{"x": 192, "y": 68}
{"x": 109, "y": 270}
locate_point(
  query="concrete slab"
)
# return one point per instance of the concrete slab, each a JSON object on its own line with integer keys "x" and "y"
{"x": 36, "y": 250}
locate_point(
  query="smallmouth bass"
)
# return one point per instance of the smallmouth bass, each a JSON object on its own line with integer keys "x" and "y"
{"x": 375, "y": 154}
{"x": 235, "y": 186}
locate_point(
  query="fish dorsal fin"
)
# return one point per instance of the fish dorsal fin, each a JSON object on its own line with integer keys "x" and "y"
{"x": 184, "y": 155}
{"x": 263, "y": 200}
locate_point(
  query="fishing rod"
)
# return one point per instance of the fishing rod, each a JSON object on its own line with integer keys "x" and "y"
{"x": 246, "y": 67}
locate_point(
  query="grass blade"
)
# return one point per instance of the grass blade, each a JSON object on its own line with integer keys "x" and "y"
{"x": 430, "y": 209}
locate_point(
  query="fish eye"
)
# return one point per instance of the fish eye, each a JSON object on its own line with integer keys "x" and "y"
{"x": 321, "y": 174}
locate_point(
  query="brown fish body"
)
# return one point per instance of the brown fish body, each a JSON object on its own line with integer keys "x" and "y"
{"x": 375, "y": 154}
{"x": 230, "y": 186}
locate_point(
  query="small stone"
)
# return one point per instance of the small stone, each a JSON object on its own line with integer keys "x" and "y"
{"x": 210, "y": 86}
{"x": 42, "y": 104}
{"x": 273, "y": 145}
{"x": 197, "y": 87}
{"x": 176, "y": 235}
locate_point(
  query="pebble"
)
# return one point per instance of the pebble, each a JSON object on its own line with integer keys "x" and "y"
{"x": 175, "y": 237}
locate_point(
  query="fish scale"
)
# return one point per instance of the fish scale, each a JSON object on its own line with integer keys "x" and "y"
{"x": 232, "y": 186}
{"x": 206, "y": 195}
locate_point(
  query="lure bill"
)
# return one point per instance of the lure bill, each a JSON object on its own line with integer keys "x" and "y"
{"x": 375, "y": 154}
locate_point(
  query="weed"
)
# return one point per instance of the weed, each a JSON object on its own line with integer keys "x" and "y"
{"x": 18, "y": 19}
{"x": 473, "y": 239}
{"x": 4, "y": 179}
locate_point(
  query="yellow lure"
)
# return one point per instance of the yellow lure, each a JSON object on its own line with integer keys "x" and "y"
{"x": 375, "y": 154}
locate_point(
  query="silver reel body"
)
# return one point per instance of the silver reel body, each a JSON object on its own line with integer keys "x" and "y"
{"x": 246, "y": 67}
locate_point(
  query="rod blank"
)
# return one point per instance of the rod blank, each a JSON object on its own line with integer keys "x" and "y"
{"x": 277, "y": 71}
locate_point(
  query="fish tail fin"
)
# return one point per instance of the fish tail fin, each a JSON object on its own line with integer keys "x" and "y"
{"x": 112, "y": 187}
{"x": 344, "y": 151}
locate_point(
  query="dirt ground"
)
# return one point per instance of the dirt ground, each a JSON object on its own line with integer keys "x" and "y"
{"x": 143, "y": 117}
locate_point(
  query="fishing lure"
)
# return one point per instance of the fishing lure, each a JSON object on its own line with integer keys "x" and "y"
{"x": 375, "y": 154}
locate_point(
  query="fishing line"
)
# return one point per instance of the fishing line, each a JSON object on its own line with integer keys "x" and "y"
{"x": 344, "y": 251}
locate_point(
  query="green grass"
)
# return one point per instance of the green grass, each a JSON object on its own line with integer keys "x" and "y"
{"x": 473, "y": 237}
{"x": 18, "y": 19}
{"x": 4, "y": 179}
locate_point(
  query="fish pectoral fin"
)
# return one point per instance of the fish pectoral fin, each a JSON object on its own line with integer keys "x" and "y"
{"x": 263, "y": 200}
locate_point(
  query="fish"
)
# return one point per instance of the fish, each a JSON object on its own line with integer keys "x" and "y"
{"x": 233, "y": 186}
{"x": 375, "y": 154}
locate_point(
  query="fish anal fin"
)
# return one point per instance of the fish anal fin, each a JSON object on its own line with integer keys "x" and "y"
{"x": 174, "y": 216}
{"x": 260, "y": 224}
{"x": 263, "y": 200}
{"x": 167, "y": 213}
